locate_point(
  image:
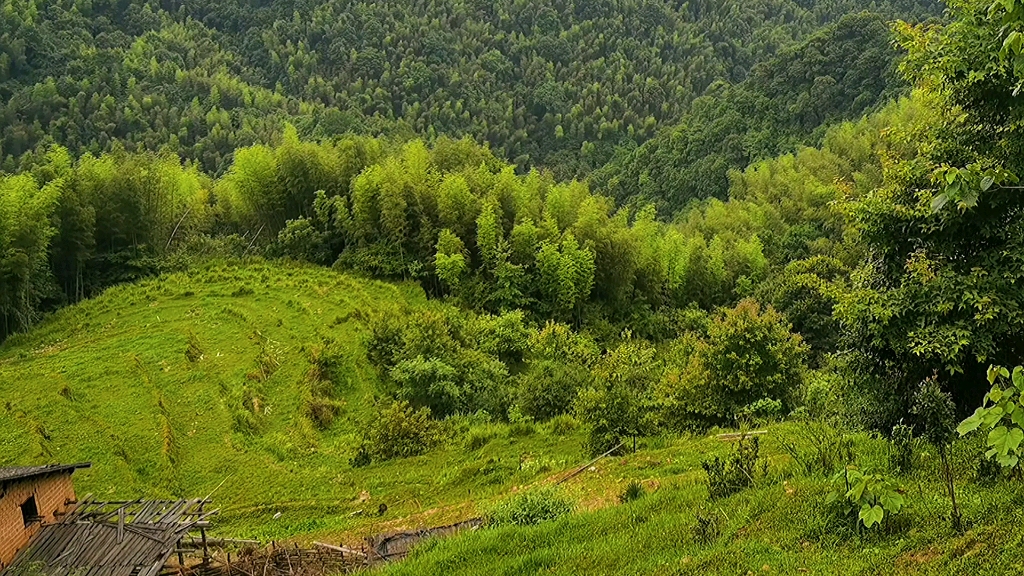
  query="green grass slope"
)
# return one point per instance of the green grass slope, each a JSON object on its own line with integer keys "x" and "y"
{"x": 782, "y": 525}
{"x": 110, "y": 381}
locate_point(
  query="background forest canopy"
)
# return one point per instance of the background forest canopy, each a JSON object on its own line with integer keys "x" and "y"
{"x": 560, "y": 85}
{"x": 747, "y": 239}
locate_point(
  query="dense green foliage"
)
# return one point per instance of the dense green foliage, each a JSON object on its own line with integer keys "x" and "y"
{"x": 552, "y": 84}
{"x": 940, "y": 286}
{"x": 776, "y": 256}
{"x": 837, "y": 74}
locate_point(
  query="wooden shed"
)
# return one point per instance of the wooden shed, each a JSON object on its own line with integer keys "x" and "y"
{"x": 122, "y": 538}
{"x": 30, "y": 498}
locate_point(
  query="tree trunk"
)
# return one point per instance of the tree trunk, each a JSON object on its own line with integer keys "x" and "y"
{"x": 955, "y": 516}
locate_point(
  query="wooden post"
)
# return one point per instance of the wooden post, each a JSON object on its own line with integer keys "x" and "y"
{"x": 181, "y": 558}
{"x": 206, "y": 549}
{"x": 202, "y": 533}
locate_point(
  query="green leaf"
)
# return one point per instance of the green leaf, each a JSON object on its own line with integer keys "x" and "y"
{"x": 1017, "y": 417}
{"x": 951, "y": 175}
{"x": 993, "y": 416}
{"x": 996, "y": 394}
{"x": 1008, "y": 461}
{"x": 972, "y": 422}
{"x": 871, "y": 515}
{"x": 892, "y": 501}
{"x": 1018, "y": 378}
{"x": 939, "y": 202}
{"x": 993, "y": 374}
{"x": 857, "y": 490}
{"x": 1013, "y": 439}
{"x": 987, "y": 181}
{"x": 1005, "y": 440}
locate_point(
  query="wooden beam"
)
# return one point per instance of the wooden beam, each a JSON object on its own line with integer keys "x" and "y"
{"x": 580, "y": 470}
{"x": 740, "y": 435}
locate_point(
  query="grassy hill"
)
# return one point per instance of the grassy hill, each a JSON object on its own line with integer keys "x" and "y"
{"x": 197, "y": 383}
{"x": 782, "y": 525}
{"x": 110, "y": 381}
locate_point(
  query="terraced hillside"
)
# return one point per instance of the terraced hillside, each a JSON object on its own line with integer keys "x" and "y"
{"x": 198, "y": 382}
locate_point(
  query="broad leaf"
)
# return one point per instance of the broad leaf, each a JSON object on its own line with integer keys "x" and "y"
{"x": 993, "y": 374}
{"x": 871, "y": 515}
{"x": 992, "y": 416}
{"x": 891, "y": 501}
{"x": 1008, "y": 461}
{"x": 996, "y": 394}
{"x": 971, "y": 423}
{"x": 1018, "y": 417}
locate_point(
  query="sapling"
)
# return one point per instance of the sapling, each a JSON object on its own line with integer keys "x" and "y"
{"x": 1002, "y": 414}
{"x": 937, "y": 415}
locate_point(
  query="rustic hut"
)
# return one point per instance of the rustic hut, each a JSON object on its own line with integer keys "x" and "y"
{"x": 30, "y": 498}
{"x": 123, "y": 538}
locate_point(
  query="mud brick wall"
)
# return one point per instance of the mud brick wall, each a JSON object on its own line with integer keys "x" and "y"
{"x": 52, "y": 492}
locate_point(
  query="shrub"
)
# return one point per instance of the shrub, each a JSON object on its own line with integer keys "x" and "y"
{"x": 520, "y": 424}
{"x": 434, "y": 357}
{"x": 531, "y": 507}
{"x": 398, "y": 431}
{"x": 617, "y": 406}
{"x": 562, "y": 425}
{"x": 937, "y": 413}
{"x": 902, "y": 445}
{"x": 193, "y": 350}
{"x": 706, "y": 526}
{"x": 987, "y": 472}
{"x": 737, "y": 471}
{"x": 872, "y": 497}
{"x": 633, "y": 491}
{"x": 763, "y": 410}
{"x": 548, "y": 388}
{"x": 749, "y": 355}
{"x": 1002, "y": 415}
{"x": 321, "y": 405}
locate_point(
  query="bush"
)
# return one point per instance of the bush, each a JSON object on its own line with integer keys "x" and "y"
{"x": 737, "y": 471}
{"x": 871, "y": 497}
{"x": 617, "y": 405}
{"x": 818, "y": 447}
{"x": 548, "y": 388}
{"x": 749, "y": 355}
{"x": 398, "y": 431}
{"x": 761, "y": 411}
{"x": 528, "y": 508}
{"x": 706, "y": 527}
{"x": 634, "y": 491}
{"x": 520, "y": 424}
{"x": 901, "y": 449}
{"x": 562, "y": 425}
{"x": 194, "y": 350}
{"x": 435, "y": 358}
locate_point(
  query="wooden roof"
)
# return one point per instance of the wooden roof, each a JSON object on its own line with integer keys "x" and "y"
{"x": 110, "y": 539}
{"x": 20, "y": 472}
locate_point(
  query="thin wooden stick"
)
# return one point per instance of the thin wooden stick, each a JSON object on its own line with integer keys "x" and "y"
{"x": 588, "y": 464}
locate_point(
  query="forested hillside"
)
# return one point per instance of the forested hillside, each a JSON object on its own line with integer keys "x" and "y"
{"x": 446, "y": 249}
{"x": 552, "y": 84}
{"x": 790, "y": 99}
